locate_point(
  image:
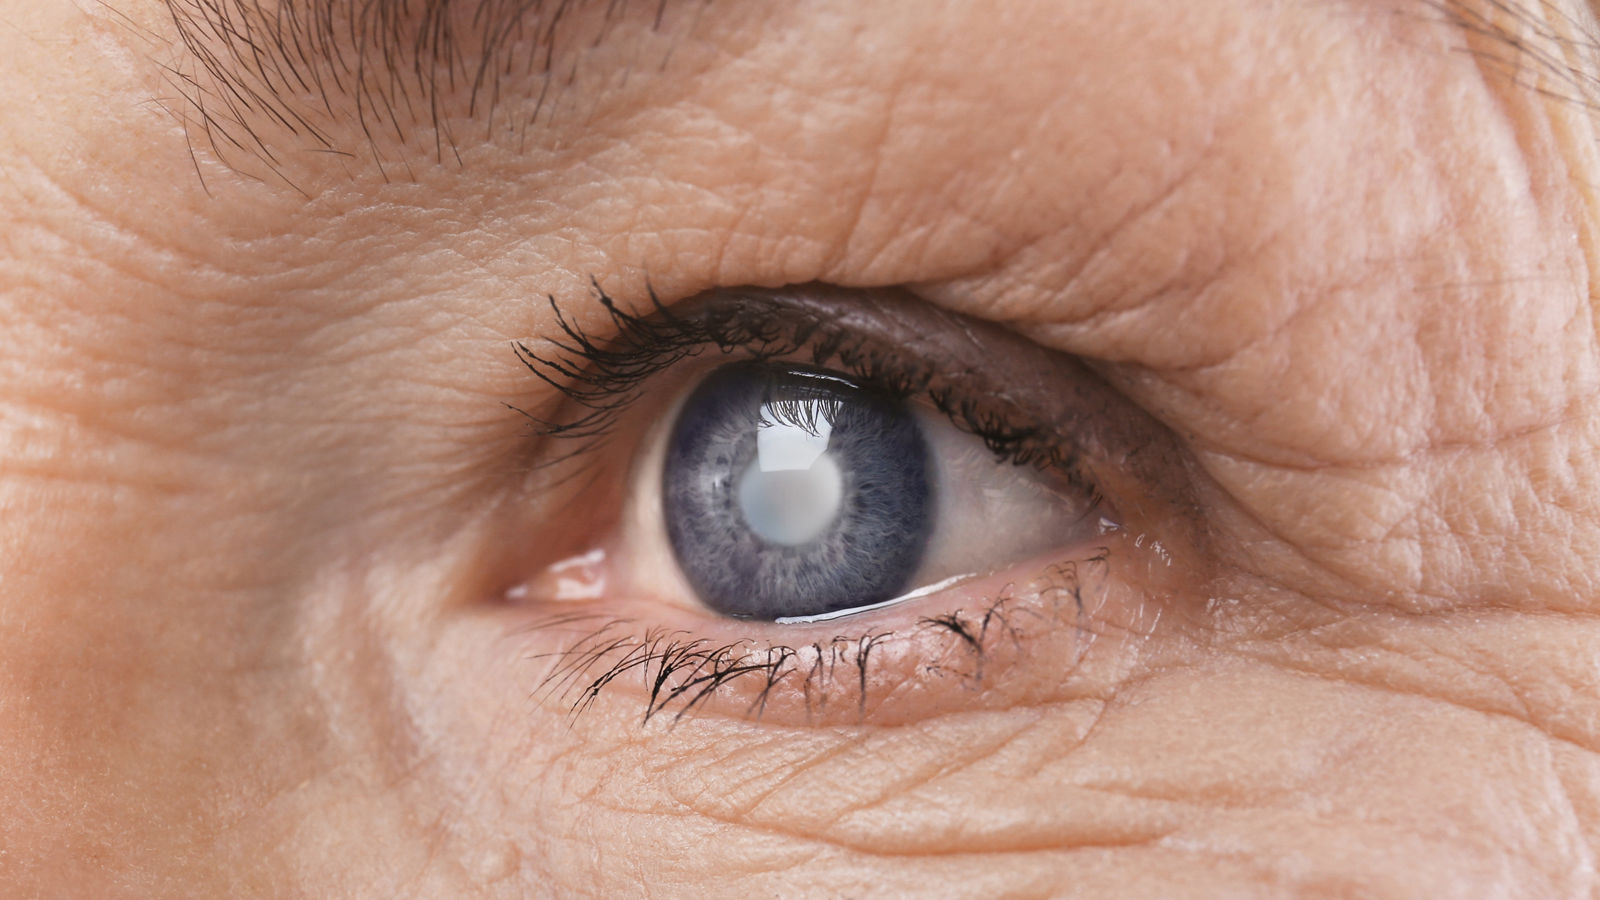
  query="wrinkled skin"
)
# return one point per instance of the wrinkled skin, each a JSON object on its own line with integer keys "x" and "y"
{"x": 260, "y": 490}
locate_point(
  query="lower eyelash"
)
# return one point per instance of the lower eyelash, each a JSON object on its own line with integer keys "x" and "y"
{"x": 681, "y": 674}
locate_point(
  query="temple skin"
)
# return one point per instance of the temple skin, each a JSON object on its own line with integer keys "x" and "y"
{"x": 260, "y": 491}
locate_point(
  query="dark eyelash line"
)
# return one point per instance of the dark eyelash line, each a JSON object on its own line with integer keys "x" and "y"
{"x": 602, "y": 378}
{"x": 682, "y": 673}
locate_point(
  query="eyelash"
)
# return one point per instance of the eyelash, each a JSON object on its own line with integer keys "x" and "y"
{"x": 601, "y": 379}
{"x": 683, "y": 672}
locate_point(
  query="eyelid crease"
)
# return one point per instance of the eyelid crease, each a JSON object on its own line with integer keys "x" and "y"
{"x": 603, "y": 377}
{"x": 1028, "y": 404}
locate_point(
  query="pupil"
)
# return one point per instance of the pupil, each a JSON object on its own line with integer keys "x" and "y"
{"x": 791, "y": 491}
{"x": 791, "y": 507}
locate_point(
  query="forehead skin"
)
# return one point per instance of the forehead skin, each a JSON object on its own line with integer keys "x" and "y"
{"x": 250, "y": 421}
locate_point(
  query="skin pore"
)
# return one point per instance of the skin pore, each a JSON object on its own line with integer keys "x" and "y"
{"x": 265, "y": 507}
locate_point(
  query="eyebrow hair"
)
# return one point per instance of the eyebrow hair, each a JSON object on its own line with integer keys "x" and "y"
{"x": 1513, "y": 39}
{"x": 249, "y": 69}
{"x": 249, "y": 66}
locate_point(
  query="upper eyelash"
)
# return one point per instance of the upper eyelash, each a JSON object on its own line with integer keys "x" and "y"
{"x": 601, "y": 378}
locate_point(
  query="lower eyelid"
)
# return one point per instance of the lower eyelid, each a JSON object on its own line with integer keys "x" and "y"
{"x": 1054, "y": 629}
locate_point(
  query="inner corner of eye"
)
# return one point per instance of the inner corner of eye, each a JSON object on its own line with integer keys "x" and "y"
{"x": 791, "y": 493}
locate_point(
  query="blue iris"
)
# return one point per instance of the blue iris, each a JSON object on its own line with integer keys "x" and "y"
{"x": 792, "y": 491}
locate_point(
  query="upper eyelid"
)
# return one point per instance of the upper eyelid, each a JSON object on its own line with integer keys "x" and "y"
{"x": 600, "y": 370}
{"x": 596, "y": 367}
{"x": 941, "y": 353}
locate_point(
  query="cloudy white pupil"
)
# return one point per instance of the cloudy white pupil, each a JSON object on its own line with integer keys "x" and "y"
{"x": 793, "y": 489}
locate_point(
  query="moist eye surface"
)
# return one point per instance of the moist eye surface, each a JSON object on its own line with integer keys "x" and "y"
{"x": 792, "y": 491}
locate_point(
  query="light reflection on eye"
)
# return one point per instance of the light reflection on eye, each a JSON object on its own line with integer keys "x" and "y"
{"x": 793, "y": 491}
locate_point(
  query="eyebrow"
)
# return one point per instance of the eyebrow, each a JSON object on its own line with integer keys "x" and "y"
{"x": 248, "y": 69}
{"x": 1511, "y": 38}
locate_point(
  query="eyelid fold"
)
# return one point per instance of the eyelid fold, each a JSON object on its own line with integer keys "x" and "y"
{"x": 1028, "y": 403}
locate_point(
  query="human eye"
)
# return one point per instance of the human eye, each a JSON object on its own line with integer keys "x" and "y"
{"x": 814, "y": 503}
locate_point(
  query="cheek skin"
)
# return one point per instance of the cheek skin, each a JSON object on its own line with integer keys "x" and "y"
{"x": 1216, "y": 768}
{"x": 253, "y": 456}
